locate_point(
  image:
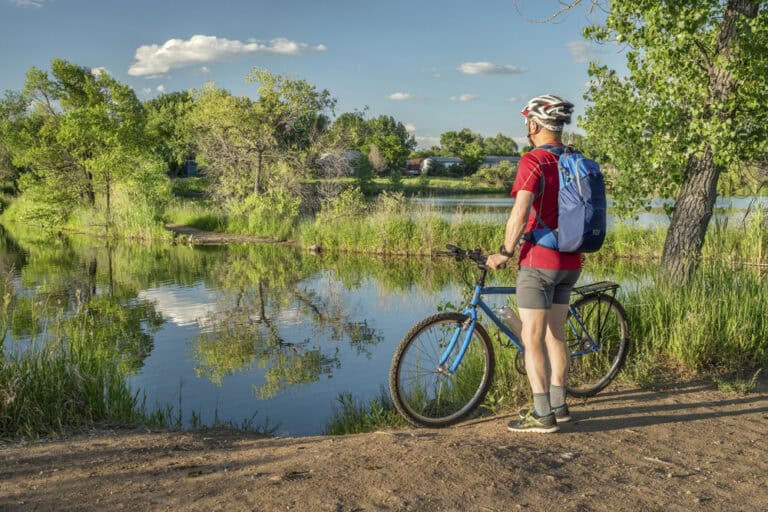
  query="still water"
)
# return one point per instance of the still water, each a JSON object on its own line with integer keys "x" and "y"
{"x": 496, "y": 209}
{"x": 238, "y": 333}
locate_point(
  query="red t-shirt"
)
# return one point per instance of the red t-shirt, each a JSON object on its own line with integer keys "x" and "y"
{"x": 529, "y": 171}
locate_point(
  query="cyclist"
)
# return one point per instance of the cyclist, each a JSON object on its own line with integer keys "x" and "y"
{"x": 546, "y": 277}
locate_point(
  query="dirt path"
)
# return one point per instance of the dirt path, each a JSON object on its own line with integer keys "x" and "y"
{"x": 689, "y": 447}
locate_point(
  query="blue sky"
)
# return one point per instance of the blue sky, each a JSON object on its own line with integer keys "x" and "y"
{"x": 435, "y": 65}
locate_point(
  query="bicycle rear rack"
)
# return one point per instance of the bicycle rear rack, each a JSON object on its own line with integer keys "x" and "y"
{"x": 597, "y": 288}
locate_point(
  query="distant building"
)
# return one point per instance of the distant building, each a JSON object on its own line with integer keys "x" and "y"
{"x": 446, "y": 161}
{"x": 413, "y": 166}
{"x": 490, "y": 161}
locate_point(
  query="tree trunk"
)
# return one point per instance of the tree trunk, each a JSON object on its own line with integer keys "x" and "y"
{"x": 90, "y": 195}
{"x": 691, "y": 217}
{"x": 256, "y": 183}
{"x": 109, "y": 204}
{"x": 693, "y": 209}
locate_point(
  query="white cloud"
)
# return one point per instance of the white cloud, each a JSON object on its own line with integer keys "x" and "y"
{"x": 427, "y": 141}
{"x": 489, "y": 68}
{"x": 465, "y": 97}
{"x": 409, "y": 127}
{"x": 205, "y": 69}
{"x": 521, "y": 141}
{"x": 176, "y": 53}
{"x": 513, "y": 99}
{"x": 584, "y": 51}
{"x": 160, "y": 88}
{"x": 402, "y": 96}
{"x": 30, "y": 3}
{"x": 99, "y": 70}
{"x": 146, "y": 91}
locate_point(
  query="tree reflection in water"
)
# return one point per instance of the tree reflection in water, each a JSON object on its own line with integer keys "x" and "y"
{"x": 262, "y": 298}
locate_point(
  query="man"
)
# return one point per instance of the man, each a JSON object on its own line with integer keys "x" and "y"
{"x": 546, "y": 277}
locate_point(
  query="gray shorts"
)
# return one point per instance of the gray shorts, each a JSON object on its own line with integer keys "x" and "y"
{"x": 539, "y": 288}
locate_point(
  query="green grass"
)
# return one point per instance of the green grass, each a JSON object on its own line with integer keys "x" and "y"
{"x": 354, "y": 417}
{"x": 200, "y": 214}
{"x": 737, "y": 383}
{"x": 196, "y": 186}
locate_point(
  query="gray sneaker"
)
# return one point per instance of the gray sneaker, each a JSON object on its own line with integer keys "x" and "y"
{"x": 562, "y": 414}
{"x": 532, "y": 423}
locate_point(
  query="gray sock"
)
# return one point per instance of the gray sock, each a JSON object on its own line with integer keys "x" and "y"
{"x": 541, "y": 404}
{"x": 557, "y": 396}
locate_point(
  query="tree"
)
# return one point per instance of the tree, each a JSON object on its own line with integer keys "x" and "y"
{"x": 12, "y": 113}
{"x": 168, "y": 128}
{"x": 692, "y": 105}
{"x": 466, "y": 145}
{"x": 392, "y": 140}
{"x": 81, "y": 135}
{"x": 241, "y": 138}
{"x": 500, "y": 145}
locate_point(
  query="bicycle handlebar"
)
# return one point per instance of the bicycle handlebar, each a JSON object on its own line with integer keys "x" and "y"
{"x": 475, "y": 255}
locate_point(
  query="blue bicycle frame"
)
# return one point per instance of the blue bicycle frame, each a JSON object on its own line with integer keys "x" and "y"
{"x": 471, "y": 312}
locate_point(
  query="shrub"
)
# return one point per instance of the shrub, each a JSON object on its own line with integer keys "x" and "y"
{"x": 273, "y": 214}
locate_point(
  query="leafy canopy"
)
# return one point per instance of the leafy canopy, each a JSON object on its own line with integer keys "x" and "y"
{"x": 684, "y": 91}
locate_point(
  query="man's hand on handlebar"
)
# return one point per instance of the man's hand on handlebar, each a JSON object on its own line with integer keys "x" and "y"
{"x": 496, "y": 261}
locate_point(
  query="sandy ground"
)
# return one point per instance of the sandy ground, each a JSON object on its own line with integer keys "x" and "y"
{"x": 686, "y": 448}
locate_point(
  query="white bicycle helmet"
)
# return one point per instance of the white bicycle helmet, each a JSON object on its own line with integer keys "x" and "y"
{"x": 550, "y": 111}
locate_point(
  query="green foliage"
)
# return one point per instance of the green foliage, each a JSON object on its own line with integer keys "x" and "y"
{"x": 466, "y": 145}
{"x": 273, "y": 215}
{"x": 79, "y": 136}
{"x": 690, "y": 87}
{"x": 168, "y": 128}
{"x": 350, "y": 203}
{"x": 364, "y": 175}
{"x": 244, "y": 142}
{"x": 500, "y": 145}
{"x": 382, "y": 138}
{"x": 501, "y": 175}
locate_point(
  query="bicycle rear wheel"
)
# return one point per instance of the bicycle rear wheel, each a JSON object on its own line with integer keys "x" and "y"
{"x": 425, "y": 392}
{"x": 593, "y": 366}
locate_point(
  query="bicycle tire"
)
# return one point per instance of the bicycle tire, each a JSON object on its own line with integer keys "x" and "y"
{"x": 605, "y": 319}
{"x": 451, "y": 397}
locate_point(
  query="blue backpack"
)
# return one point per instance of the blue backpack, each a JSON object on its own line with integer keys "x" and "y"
{"x": 581, "y": 218}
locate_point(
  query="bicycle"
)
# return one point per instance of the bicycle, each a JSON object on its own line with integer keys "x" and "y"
{"x": 451, "y": 373}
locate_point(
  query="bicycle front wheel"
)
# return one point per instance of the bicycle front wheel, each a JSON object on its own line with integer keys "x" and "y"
{"x": 426, "y": 392}
{"x": 597, "y": 342}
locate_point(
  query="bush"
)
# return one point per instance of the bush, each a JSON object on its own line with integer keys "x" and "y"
{"x": 273, "y": 214}
{"x": 350, "y": 203}
{"x": 499, "y": 175}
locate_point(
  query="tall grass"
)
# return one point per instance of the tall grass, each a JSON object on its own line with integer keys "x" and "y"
{"x": 716, "y": 323}
{"x": 198, "y": 214}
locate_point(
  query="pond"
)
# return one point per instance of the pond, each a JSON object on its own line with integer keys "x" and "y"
{"x": 235, "y": 333}
{"x": 496, "y": 209}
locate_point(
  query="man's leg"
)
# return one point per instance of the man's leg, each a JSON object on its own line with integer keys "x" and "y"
{"x": 555, "y": 343}
{"x": 534, "y": 328}
{"x": 534, "y": 297}
{"x": 557, "y": 352}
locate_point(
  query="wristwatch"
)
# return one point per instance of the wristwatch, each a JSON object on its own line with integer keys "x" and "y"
{"x": 503, "y": 251}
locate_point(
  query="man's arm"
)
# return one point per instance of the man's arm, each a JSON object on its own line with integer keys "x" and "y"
{"x": 516, "y": 222}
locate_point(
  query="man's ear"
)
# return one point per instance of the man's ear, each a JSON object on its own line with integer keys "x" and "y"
{"x": 533, "y": 126}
